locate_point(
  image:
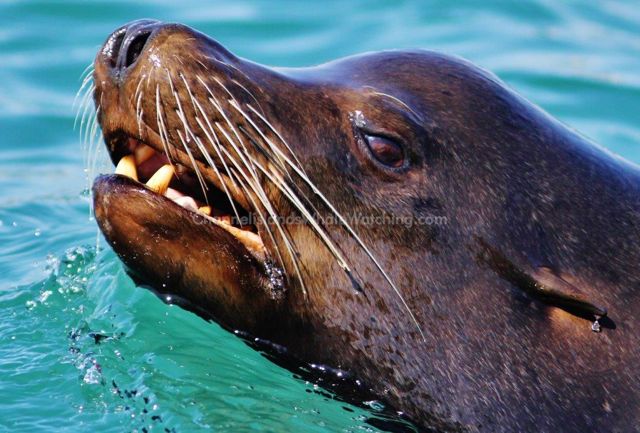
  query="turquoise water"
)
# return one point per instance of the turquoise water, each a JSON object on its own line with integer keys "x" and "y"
{"x": 81, "y": 347}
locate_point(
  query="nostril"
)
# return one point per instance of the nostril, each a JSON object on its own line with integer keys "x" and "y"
{"x": 117, "y": 44}
{"x": 135, "y": 48}
{"x": 111, "y": 49}
{"x": 125, "y": 46}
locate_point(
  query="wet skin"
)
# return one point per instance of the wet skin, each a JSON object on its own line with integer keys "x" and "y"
{"x": 490, "y": 328}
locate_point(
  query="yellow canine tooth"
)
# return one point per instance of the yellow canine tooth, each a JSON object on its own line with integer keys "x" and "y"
{"x": 250, "y": 240}
{"x": 205, "y": 210}
{"x": 143, "y": 153}
{"x": 159, "y": 182}
{"x": 224, "y": 218}
{"x": 127, "y": 167}
{"x": 187, "y": 203}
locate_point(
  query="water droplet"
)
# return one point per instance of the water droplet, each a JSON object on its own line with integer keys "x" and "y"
{"x": 44, "y": 296}
{"x": 358, "y": 119}
{"x": 92, "y": 375}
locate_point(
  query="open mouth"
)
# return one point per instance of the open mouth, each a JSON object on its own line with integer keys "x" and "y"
{"x": 180, "y": 185}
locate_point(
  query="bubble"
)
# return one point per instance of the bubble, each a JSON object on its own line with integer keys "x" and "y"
{"x": 92, "y": 376}
{"x": 44, "y": 296}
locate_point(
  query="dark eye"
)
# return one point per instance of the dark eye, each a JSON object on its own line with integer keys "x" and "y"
{"x": 385, "y": 150}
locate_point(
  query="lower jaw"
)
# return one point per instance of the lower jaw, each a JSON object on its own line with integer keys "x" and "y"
{"x": 180, "y": 252}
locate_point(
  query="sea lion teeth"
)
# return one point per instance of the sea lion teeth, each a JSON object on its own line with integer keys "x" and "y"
{"x": 173, "y": 194}
{"x": 127, "y": 167}
{"x": 187, "y": 203}
{"x": 224, "y": 218}
{"x": 143, "y": 153}
{"x": 205, "y": 210}
{"x": 159, "y": 182}
{"x": 250, "y": 240}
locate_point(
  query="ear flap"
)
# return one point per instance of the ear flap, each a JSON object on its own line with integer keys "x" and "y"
{"x": 544, "y": 284}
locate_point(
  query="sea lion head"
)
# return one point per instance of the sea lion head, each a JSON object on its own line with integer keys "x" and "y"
{"x": 269, "y": 139}
{"x": 381, "y": 213}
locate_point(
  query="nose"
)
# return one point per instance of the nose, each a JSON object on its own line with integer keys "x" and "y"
{"x": 124, "y": 46}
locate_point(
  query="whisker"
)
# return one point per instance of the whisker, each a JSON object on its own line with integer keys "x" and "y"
{"x": 85, "y": 106}
{"x": 259, "y": 131}
{"x": 86, "y": 69}
{"x": 139, "y": 109}
{"x": 87, "y": 124}
{"x": 239, "y": 84}
{"x": 92, "y": 135}
{"x": 204, "y": 152}
{"x": 216, "y": 146}
{"x": 187, "y": 130}
{"x": 290, "y": 194}
{"x": 162, "y": 128}
{"x": 86, "y": 80}
{"x": 201, "y": 181}
{"x": 231, "y": 66}
{"x": 257, "y": 188}
{"x": 275, "y": 131}
{"x": 215, "y": 143}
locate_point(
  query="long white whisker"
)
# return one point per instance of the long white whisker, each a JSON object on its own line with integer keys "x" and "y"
{"x": 187, "y": 130}
{"x": 139, "y": 109}
{"x": 255, "y": 186}
{"x": 235, "y": 105}
{"x": 263, "y": 198}
{"x": 85, "y": 106}
{"x": 215, "y": 144}
{"x": 290, "y": 194}
{"x": 162, "y": 128}
{"x": 239, "y": 84}
{"x": 275, "y": 131}
{"x": 197, "y": 106}
{"x": 85, "y": 81}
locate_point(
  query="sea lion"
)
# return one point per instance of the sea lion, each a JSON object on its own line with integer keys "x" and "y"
{"x": 400, "y": 215}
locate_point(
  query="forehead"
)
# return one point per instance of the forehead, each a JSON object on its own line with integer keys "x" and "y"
{"x": 390, "y": 68}
{"x": 424, "y": 79}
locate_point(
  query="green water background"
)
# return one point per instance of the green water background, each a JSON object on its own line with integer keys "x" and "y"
{"x": 158, "y": 367}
